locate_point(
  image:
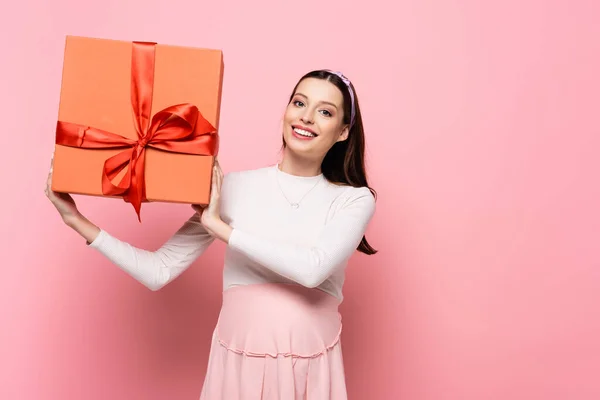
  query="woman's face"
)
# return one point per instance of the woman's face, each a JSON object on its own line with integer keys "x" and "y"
{"x": 313, "y": 120}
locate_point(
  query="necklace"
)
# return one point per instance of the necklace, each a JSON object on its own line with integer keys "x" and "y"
{"x": 295, "y": 205}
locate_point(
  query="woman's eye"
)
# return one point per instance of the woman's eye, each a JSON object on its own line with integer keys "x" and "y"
{"x": 298, "y": 103}
{"x": 326, "y": 113}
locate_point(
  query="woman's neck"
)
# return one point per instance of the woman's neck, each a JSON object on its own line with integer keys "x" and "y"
{"x": 294, "y": 166}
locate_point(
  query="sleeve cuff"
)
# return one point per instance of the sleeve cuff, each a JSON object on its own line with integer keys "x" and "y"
{"x": 235, "y": 240}
{"x": 98, "y": 241}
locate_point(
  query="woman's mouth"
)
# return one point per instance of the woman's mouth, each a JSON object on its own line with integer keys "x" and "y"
{"x": 303, "y": 133}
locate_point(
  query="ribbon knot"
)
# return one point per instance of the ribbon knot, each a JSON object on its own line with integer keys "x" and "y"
{"x": 179, "y": 128}
{"x": 143, "y": 142}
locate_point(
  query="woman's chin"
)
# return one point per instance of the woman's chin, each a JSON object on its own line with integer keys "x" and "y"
{"x": 299, "y": 146}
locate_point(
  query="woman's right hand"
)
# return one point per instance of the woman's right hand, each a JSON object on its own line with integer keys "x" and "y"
{"x": 63, "y": 202}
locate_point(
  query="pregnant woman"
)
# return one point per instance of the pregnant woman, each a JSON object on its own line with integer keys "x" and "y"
{"x": 290, "y": 229}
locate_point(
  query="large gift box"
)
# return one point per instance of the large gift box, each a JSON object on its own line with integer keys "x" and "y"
{"x": 137, "y": 121}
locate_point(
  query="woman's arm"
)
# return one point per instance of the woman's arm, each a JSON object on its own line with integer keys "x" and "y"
{"x": 155, "y": 269}
{"x": 308, "y": 266}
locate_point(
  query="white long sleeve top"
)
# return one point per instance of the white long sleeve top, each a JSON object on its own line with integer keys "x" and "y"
{"x": 271, "y": 241}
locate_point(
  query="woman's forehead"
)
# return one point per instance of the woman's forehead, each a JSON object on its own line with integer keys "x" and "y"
{"x": 320, "y": 90}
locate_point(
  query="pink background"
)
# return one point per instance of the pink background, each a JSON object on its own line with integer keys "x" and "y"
{"x": 483, "y": 139}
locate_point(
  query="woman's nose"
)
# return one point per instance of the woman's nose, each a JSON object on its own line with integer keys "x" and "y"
{"x": 307, "y": 117}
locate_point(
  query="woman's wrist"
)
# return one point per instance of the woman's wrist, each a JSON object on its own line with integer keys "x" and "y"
{"x": 83, "y": 226}
{"x": 219, "y": 228}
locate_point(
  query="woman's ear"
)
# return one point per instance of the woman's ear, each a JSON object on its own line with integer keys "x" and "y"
{"x": 344, "y": 134}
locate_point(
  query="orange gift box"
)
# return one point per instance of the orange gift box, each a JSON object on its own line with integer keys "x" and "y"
{"x": 137, "y": 121}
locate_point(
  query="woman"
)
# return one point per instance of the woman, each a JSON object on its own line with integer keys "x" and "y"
{"x": 290, "y": 229}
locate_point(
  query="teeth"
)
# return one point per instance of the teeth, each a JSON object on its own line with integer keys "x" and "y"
{"x": 303, "y": 132}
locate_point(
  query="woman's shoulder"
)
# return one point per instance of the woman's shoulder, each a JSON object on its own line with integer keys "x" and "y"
{"x": 247, "y": 176}
{"x": 253, "y": 179}
{"x": 348, "y": 197}
{"x": 242, "y": 181}
{"x": 353, "y": 192}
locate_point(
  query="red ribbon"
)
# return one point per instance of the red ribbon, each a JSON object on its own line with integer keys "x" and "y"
{"x": 180, "y": 128}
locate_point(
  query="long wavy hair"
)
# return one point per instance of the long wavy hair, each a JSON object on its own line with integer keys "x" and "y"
{"x": 344, "y": 163}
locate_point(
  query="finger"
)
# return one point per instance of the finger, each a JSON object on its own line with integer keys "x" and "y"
{"x": 49, "y": 178}
{"x": 218, "y": 180}
{"x": 214, "y": 177}
{"x": 48, "y": 183}
{"x": 214, "y": 188}
{"x": 219, "y": 176}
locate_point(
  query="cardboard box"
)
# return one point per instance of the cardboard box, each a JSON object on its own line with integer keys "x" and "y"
{"x": 108, "y": 88}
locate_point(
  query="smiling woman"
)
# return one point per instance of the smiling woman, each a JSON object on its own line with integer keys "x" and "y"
{"x": 290, "y": 229}
{"x": 316, "y": 110}
{"x": 324, "y": 103}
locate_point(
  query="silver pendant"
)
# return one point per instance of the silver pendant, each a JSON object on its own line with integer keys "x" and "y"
{"x": 295, "y": 205}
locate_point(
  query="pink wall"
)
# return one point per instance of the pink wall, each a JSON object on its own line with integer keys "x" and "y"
{"x": 487, "y": 285}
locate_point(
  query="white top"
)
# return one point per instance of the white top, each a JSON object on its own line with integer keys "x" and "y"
{"x": 271, "y": 240}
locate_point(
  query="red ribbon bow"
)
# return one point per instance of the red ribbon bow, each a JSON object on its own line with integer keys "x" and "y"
{"x": 179, "y": 128}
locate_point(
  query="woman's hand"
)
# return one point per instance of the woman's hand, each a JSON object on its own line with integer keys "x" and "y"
{"x": 66, "y": 207}
{"x": 210, "y": 216}
{"x": 212, "y": 213}
{"x": 63, "y": 202}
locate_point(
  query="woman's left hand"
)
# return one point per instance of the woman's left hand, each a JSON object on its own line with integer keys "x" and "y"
{"x": 210, "y": 216}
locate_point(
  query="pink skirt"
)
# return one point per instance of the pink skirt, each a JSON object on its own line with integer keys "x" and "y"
{"x": 276, "y": 341}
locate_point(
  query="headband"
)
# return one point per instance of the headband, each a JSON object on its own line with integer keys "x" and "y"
{"x": 347, "y": 82}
